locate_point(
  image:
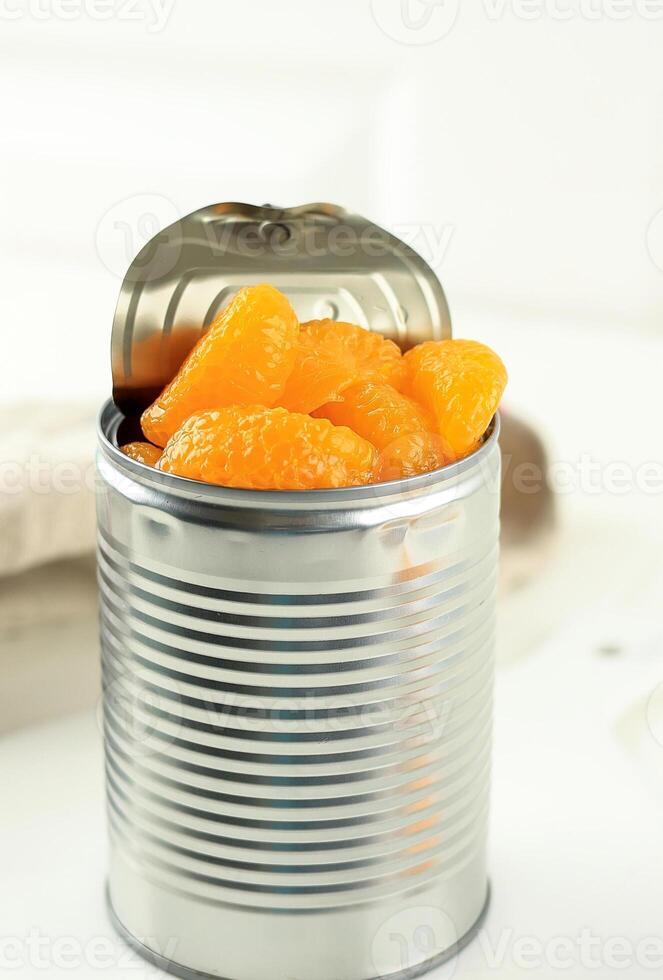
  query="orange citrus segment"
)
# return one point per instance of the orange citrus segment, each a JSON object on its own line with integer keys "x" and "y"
{"x": 331, "y": 356}
{"x": 411, "y": 454}
{"x": 376, "y": 412}
{"x": 143, "y": 452}
{"x": 268, "y": 449}
{"x": 244, "y": 359}
{"x": 460, "y": 382}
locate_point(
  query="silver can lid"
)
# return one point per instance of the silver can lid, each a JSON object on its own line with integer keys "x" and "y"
{"x": 330, "y": 262}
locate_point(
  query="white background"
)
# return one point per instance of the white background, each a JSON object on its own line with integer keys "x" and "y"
{"x": 524, "y": 155}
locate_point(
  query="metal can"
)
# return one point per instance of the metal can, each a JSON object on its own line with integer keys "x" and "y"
{"x": 297, "y": 715}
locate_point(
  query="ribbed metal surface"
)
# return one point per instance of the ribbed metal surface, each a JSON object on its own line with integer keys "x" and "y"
{"x": 297, "y": 706}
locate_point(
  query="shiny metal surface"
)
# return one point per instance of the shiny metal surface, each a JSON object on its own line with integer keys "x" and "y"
{"x": 297, "y": 708}
{"x": 409, "y": 973}
{"x": 330, "y": 262}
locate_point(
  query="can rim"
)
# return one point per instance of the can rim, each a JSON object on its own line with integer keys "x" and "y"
{"x": 188, "y": 973}
{"x": 110, "y": 418}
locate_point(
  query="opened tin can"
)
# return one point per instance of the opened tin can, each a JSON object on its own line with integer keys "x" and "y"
{"x": 297, "y": 685}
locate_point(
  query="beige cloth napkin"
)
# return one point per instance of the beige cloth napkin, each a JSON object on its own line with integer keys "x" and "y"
{"x": 47, "y": 500}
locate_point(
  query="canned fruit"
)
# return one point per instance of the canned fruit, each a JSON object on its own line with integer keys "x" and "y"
{"x": 268, "y": 449}
{"x": 412, "y": 454}
{"x": 244, "y": 358}
{"x": 264, "y": 403}
{"x": 331, "y": 357}
{"x": 461, "y": 383}
{"x": 142, "y": 452}
{"x": 377, "y": 412}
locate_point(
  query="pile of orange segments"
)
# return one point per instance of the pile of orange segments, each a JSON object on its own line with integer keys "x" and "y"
{"x": 266, "y": 403}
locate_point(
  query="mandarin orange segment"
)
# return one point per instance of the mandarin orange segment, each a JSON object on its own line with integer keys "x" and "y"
{"x": 142, "y": 452}
{"x": 244, "y": 359}
{"x": 411, "y": 454}
{"x": 460, "y": 382}
{"x": 333, "y": 355}
{"x": 376, "y": 412}
{"x": 268, "y": 449}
